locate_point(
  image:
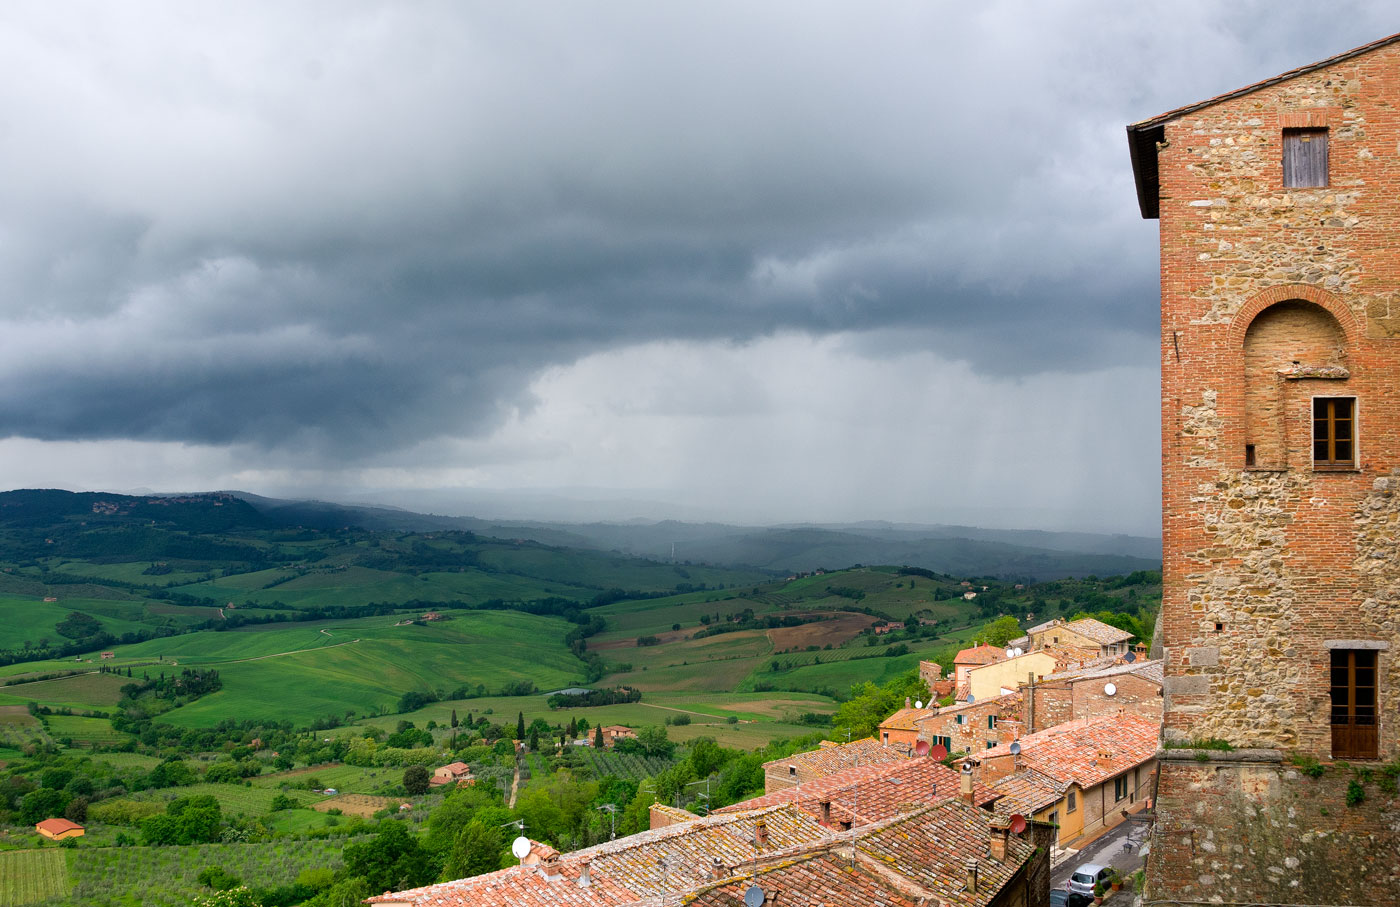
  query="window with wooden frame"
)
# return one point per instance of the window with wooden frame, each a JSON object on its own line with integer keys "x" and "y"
{"x": 1120, "y": 787}
{"x": 1304, "y": 158}
{"x": 1071, "y": 802}
{"x": 1334, "y": 432}
{"x": 1354, "y": 704}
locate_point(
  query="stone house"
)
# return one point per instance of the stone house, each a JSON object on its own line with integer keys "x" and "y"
{"x": 900, "y": 729}
{"x": 973, "y": 726}
{"x": 827, "y": 759}
{"x": 976, "y": 656}
{"x": 1086, "y": 633}
{"x": 1089, "y": 692}
{"x": 615, "y": 732}
{"x": 931, "y": 673}
{"x": 1280, "y": 304}
{"x": 452, "y": 773}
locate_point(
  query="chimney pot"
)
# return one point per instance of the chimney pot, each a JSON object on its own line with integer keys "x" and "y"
{"x": 972, "y": 876}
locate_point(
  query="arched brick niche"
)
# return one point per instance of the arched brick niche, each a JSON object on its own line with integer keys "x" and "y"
{"x": 1286, "y": 342}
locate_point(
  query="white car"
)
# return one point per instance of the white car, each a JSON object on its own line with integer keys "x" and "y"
{"x": 1083, "y": 880}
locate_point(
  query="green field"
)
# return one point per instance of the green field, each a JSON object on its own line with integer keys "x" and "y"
{"x": 84, "y": 731}
{"x": 82, "y": 691}
{"x": 32, "y": 876}
{"x": 351, "y": 779}
{"x": 165, "y": 876}
{"x": 306, "y": 672}
{"x": 234, "y": 799}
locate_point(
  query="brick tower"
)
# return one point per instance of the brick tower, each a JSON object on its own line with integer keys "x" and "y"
{"x": 1279, "y": 210}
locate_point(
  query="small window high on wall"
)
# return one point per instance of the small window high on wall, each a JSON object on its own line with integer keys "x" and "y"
{"x": 1334, "y": 432}
{"x": 1304, "y": 158}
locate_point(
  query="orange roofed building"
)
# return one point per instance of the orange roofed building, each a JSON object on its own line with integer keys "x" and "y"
{"x": 59, "y": 829}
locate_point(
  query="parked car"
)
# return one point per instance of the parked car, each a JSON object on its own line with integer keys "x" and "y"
{"x": 1083, "y": 879}
{"x": 1063, "y": 897}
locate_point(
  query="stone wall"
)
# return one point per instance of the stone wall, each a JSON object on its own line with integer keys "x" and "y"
{"x": 1248, "y": 827}
{"x": 1267, "y": 567}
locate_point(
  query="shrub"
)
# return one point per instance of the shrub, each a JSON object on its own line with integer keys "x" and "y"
{"x": 1356, "y": 794}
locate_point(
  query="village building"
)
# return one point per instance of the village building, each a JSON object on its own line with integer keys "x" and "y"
{"x": 1096, "y": 637}
{"x": 900, "y": 729}
{"x": 1093, "y": 691}
{"x": 827, "y": 759}
{"x": 1103, "y": 765}
{"x": 949, "y": 853}
{"x": 971, "y": 727}
{"x": 458, "y": 773}
{"x": 939, "y": 687}
{"x": 615, "y": 732}
{"x": 59, "y": 829}
{"x": 995, "y": 678}
{"x": 1280, "y": 357}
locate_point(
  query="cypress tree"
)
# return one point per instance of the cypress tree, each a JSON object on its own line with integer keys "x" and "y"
{"x": 520, "y": 726}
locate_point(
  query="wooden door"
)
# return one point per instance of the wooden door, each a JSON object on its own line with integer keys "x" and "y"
{"x": 1354, "y": 704}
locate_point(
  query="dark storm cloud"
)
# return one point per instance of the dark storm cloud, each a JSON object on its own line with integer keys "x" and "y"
{"x": 348, "y": 228}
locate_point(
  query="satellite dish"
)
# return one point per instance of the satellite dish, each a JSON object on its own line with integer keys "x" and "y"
{"x": 921, "y": 748}
{"x": 1010, "y": 653}
{"x": 520, "y": 847}
{"x": 754, "y": 897}
{"x": 1018, "y": 824}
{"x": 918, "y": 703}
{"x": 971, "y": 698}
{"x": 1110, "y": 689}
{"x": 1130, "y": 657}
{"x": 939, "y": 752}
{"x": 967, "y": 767}
{"x": 1015, "y": 748}
{"x": 1020, "y": 651}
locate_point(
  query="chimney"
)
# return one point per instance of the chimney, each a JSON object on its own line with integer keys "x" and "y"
{"x": 907, "y": 702}
{"x": 971, "y": 876}
{"x": 716, "y": 868}
{"x": 584, "y": 881}
{"x": 825, "y": 804}
{"x": 1105, "y": 759}
{"x": 760, "y": 834}
{"x": 997, "y": 841}
{"x": 966, "y": 790}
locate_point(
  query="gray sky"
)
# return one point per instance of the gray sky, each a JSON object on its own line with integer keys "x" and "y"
{"x": 745, "y": 261}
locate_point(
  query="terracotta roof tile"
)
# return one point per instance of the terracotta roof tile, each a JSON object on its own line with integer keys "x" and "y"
{"x": 1071, "y": 751}
{"x": 1026, "y": 792}
{"x": 981, "y": 654}
{"x": 835, "y": 757}
{"x": 58, "y": 826}
{"x": 1099, "y": 631}
{"x": 903, "y": 720}
{"x": 871, "y": 793}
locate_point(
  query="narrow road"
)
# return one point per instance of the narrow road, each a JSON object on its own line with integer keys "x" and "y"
{"x": 515, "y": 783}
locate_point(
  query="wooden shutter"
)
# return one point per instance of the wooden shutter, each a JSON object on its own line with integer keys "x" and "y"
{"x": 1304, "y": 158}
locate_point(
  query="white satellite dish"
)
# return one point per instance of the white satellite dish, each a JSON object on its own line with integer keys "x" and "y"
{"x": 1020, "y": 651}
{"x": 520, "y": 847}
{"x": 918, "y": 703}
{"x": 754, "y": 897}
{"x": 1110, "y": 689}
{"x": 1015, "y": 748}
{"x": 1010, "y": 653}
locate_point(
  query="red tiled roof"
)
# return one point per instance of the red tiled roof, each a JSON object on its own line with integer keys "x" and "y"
{"x": 981, "y": 654}
{"x": 1071, "y": 751}
{"x": 57, "y": 826}
{"x": 835, "y": 757}
{"x": 1026, "y": 792}
{"x": 626, "y": 870}
{"x": 871, "y": 793}
{"x": 903, "y": 720}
